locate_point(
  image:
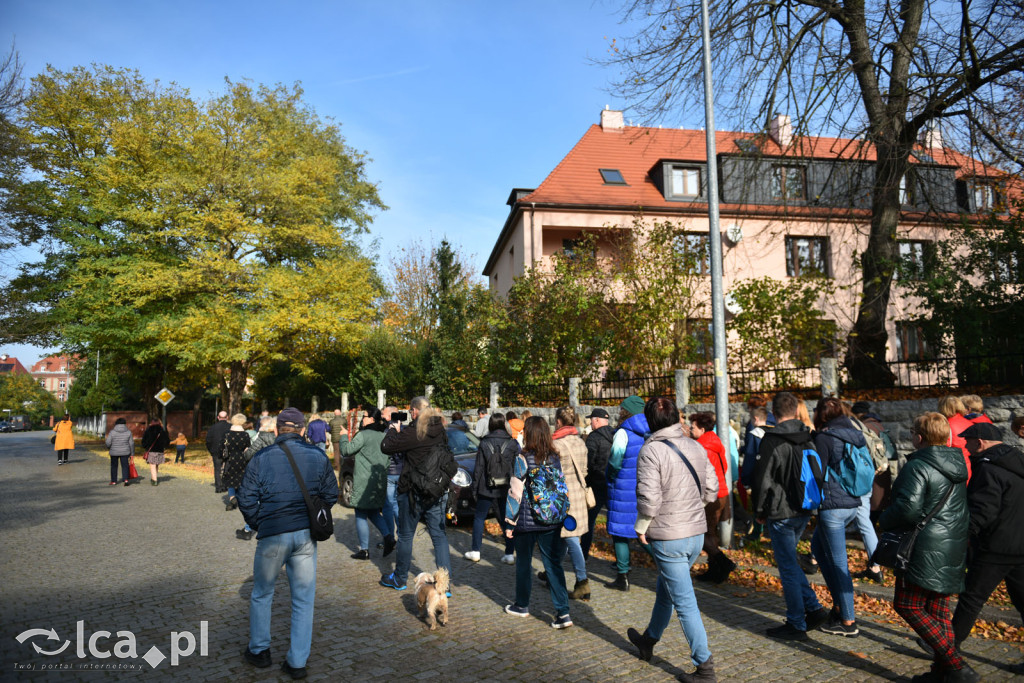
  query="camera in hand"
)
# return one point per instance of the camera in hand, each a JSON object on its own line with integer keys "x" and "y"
{"x": 399, "y": 417}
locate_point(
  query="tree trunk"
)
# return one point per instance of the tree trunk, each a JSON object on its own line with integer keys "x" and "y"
{"x": 867, "y": 341}
{"x": 239, "y": 373}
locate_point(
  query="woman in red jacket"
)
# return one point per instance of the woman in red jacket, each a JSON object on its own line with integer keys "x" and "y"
{"x": 719, "y": 564}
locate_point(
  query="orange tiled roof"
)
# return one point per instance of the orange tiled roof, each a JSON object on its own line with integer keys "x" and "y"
{"x": 635, "y": 150}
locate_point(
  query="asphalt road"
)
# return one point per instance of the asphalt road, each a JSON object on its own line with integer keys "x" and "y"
{"x": 162, "y": 565}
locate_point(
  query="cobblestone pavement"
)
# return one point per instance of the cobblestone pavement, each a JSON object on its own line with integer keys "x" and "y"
{"x": 157, "y": 560}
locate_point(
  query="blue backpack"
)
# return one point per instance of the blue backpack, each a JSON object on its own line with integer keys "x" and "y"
{"x": 811, "y": 478}
{"x": 856, "y": 469}
{"x": 547, "y": 495}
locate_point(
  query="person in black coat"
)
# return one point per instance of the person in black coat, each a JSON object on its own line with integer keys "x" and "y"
{"x": 599, "y": 450}
{"x": 498, "y": 442}
{"x": 995, "y": 498}
{"x": 154, "y": 442}
{"x": 215, "y": 445}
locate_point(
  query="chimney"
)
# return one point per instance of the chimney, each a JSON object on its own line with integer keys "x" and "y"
{"x": 781, "y": 130}
{"x": 611, "y": 119}
{"x": 930, "y": 136}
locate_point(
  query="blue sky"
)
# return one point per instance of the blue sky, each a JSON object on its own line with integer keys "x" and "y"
{"x": 456, "y": 103}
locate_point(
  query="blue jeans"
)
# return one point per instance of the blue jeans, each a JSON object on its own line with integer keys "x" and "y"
{"x": 409, "y": 515}
{"x": 579, "y": 562}
{"x": 391, "y": 505}
{"x": 363, "y": 518}
{"x": 297, "y": 552}
{"x": 829, "y": 548}
{"x": 483, "y": 506}
{"x": 799, "y": 596}
{"x": 866, "y": 528}
{"x": 552, "y": 550}
{"x": 180, "y": 455}
{"x": 675, "y": 591}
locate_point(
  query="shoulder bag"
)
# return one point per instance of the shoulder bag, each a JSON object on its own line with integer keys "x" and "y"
{"x": 696, "y": 479}
{"x": 896, "y": 547}
{"x": 321, "y": 525}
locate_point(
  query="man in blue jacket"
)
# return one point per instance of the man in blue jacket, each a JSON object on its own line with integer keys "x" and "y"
{"x": 271, "y": 501}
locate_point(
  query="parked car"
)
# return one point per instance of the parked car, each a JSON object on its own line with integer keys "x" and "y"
{"x": 5, "y": 426}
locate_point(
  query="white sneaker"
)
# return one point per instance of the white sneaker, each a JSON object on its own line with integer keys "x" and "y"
{"x": 508, "y": 559}
{"x": 472, "y": 555}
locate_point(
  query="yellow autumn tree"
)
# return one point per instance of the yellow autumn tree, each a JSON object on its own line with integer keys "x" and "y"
{"x": 208, "y": 234}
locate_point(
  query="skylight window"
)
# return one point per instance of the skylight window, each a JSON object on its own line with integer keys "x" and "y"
{"x": 612, "y": 176}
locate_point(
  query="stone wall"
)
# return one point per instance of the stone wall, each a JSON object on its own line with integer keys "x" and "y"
{"x": 897, "y": 416}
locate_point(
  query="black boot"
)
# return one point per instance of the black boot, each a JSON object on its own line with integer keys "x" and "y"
{"x": 725, "y": 567}
{"x": 705, "y": 673}
{"x": 643, "y": 642}
{"x": 621, "y": 583}
{"x": 714, "y": 570}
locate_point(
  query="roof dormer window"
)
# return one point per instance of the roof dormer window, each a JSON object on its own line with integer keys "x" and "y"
{"x": 612, "y": 176}
{"x": 684, "y": 182}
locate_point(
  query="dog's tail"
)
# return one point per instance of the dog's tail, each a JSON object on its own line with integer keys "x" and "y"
{"x": 424, "y": 578}
{"x": 441, "y": 580}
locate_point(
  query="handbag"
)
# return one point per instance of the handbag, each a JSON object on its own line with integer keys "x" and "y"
{"x": 896, "y": 547}
{"x": 132, "y": 472}
{"x": 591, "y": 500}
{"x": 53, "y": 439}
{"x": 321, "y": 524}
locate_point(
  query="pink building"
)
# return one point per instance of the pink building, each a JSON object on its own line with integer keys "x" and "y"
{"x": 788, "y": 205}
{"x": 54, "y": 374}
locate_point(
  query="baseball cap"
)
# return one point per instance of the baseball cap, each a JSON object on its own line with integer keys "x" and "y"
{"x": 598, "y": 412}
{"x": 292, "y": 417}
{"x": 984, "y": 431}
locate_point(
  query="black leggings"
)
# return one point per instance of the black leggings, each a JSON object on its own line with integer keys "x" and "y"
{"x": 113, "y": 467}
{"x": 62, "y": 455}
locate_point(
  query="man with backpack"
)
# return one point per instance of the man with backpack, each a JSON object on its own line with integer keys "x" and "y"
{"x": 493, "y": 469}
{"x": 422, "y": 487}
{"x": 785, "y": 489}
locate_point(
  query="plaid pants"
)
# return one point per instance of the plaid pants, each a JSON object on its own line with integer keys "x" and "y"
{"x": 927, "y": 613}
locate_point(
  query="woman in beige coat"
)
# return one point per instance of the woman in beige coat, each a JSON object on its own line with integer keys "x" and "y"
{"x": 572, "y": 452}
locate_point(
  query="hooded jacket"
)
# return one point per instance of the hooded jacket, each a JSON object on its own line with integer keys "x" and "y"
{"x": 830, "y": 443}
{"x": 120, "y": 441}
{"x": 776, "y": 490}
{"x": 666, "y": 491}
{"x": 940, "y": 553}
{"x": 995, "y": 497}
{"x": 369, "y": 467}
{"x": 407, "y": 442}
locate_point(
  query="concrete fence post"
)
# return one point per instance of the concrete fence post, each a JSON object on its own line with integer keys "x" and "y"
{"x": 829, "y": 377}
{"x": 381, "y": 398}
{"x": 682, "y": 389}
{"x": 314, "y": 406}
{"x": 344, "y": 402}
{"x": 287, "y": 402}
{"x": 574, "y": 392}
{"x": 263, "y": 405}
{"x": 495, "y": 388}
{"x": 428, "y": 391}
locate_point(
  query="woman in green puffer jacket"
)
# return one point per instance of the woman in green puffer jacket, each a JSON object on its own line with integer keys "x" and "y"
{"x": 936, "y": 568}
{"x": 369, "y": 482}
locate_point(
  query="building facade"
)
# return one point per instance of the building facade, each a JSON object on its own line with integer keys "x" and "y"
{"x": 54, "y": 374}
{"x": 789, "y": 206}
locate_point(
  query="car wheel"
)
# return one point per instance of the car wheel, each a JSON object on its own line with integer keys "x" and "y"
{"x": 345, "y": 493}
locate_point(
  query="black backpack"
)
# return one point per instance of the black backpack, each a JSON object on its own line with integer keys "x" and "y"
{"x": 497, "y": 467}
{"x": 431, "y": 475}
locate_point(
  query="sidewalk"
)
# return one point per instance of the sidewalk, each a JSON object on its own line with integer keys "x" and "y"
{"x": 157, "y": 560}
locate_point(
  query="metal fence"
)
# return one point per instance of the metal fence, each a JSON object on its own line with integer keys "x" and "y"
{"x": 1005, "y": 370}
{"x": 533, "y": 394}
{"x": 610, "y": 391}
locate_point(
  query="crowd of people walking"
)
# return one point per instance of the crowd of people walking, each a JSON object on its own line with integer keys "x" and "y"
{"x": 665, "y": 482}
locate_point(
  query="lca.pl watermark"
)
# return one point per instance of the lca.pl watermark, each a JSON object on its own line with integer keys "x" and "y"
{"x": 182, "y": 644}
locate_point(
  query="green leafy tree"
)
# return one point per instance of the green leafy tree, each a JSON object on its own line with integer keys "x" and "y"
{"x": 972, "y": 297}
{"x": 22, "y": 395}
{"x": 205, "y": 235}
{"x": 781, "y": 322}
{"x": 389, "y": 363}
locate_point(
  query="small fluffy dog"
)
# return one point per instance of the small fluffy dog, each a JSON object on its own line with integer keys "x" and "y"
{"x": 430, "y": 596}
